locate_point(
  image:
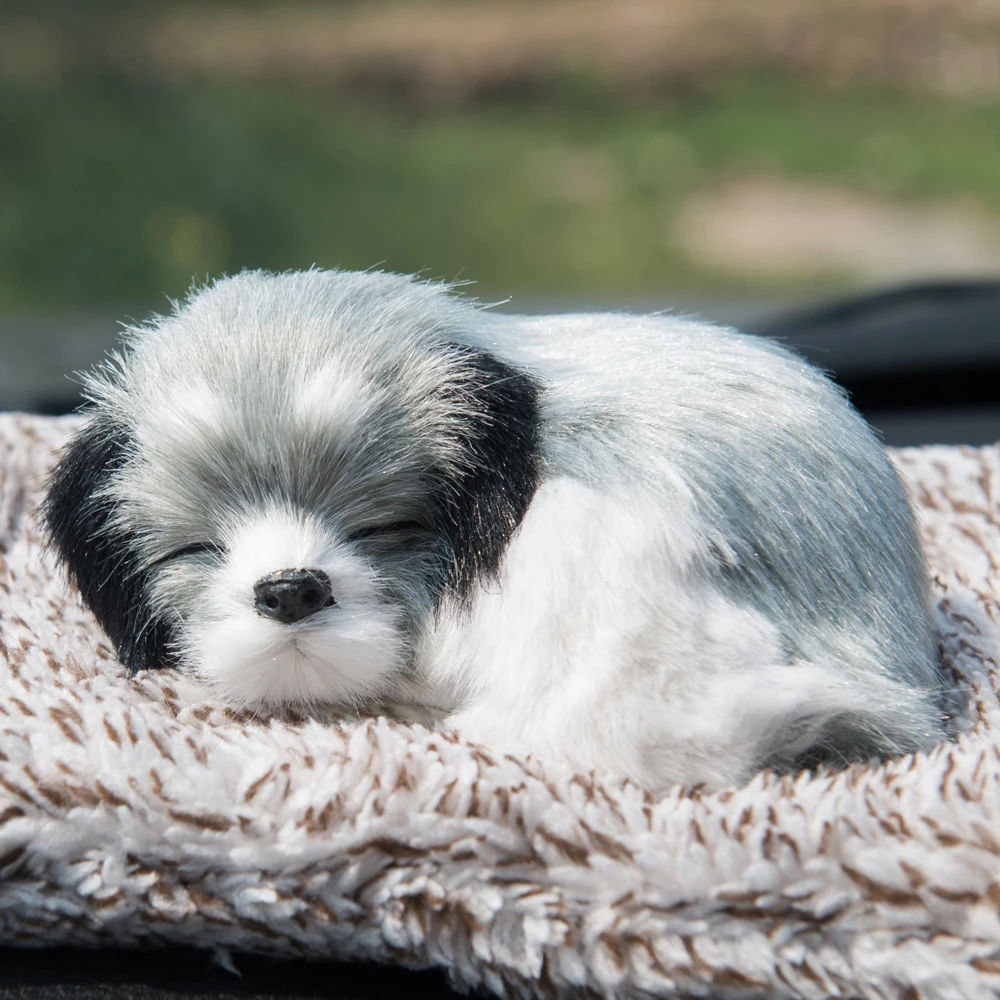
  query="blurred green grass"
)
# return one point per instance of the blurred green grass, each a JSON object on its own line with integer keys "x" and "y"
{"x": 116, "y": 193}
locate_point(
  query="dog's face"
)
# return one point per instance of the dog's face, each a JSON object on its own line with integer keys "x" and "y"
{"x": 282, "y": 482}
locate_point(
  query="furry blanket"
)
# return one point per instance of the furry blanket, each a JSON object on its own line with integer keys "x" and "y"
{"x": 135, "y": 812}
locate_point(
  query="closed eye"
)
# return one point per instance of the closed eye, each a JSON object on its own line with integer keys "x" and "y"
{"x": 392, "y": 528}
{"x": 194, "y": 549}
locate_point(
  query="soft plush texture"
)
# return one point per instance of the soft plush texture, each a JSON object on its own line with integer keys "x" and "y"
{"x": 134, "y": 812}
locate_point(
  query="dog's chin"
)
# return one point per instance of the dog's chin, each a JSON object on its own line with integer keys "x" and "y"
{"x": 256, "y": 664}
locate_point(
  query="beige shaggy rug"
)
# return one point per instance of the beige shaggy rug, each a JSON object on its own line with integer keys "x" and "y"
{"x": 134, "y": 813}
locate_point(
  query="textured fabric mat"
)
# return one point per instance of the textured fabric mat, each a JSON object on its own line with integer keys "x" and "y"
{"x": 132, "y": 812}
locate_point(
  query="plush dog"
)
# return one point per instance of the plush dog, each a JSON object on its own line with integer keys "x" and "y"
{"x": 647, "y": 546}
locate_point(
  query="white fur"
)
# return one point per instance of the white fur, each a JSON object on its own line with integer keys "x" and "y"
{"x": 627, "y": 630}
{"x": 255, "y": 661}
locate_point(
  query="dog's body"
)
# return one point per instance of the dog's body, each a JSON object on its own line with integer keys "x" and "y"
{"x": 648, "y": 546}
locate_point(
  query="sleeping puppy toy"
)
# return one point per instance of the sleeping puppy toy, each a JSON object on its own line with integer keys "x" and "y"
{"x": 649, "y": 547}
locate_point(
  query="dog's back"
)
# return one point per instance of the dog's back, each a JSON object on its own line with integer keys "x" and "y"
{"x": 761, "y": 482}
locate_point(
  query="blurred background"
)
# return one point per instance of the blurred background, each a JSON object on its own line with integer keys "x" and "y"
{"x": 742, "y": 159}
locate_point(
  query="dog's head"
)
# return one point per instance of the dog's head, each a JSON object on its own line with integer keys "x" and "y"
{"x": 281, "y": 482}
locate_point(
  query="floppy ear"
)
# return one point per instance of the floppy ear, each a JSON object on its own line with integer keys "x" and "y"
{"x": 480, "y": 508}
{"x": 99, "y": 557}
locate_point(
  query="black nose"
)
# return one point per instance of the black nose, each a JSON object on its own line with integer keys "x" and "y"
{"x": 289, "y": 595}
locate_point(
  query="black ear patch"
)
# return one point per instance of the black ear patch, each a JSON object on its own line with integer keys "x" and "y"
{"x": 102, "y": 562}
{"x": 480, "y": 509}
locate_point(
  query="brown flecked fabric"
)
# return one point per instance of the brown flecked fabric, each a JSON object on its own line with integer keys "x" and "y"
{"x": 134, "y": 812}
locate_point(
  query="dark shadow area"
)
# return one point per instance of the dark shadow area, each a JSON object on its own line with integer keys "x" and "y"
{"x": 943, "y": 328}
{"x": 921, "y": 362}
{"x": 117, "y": 974}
